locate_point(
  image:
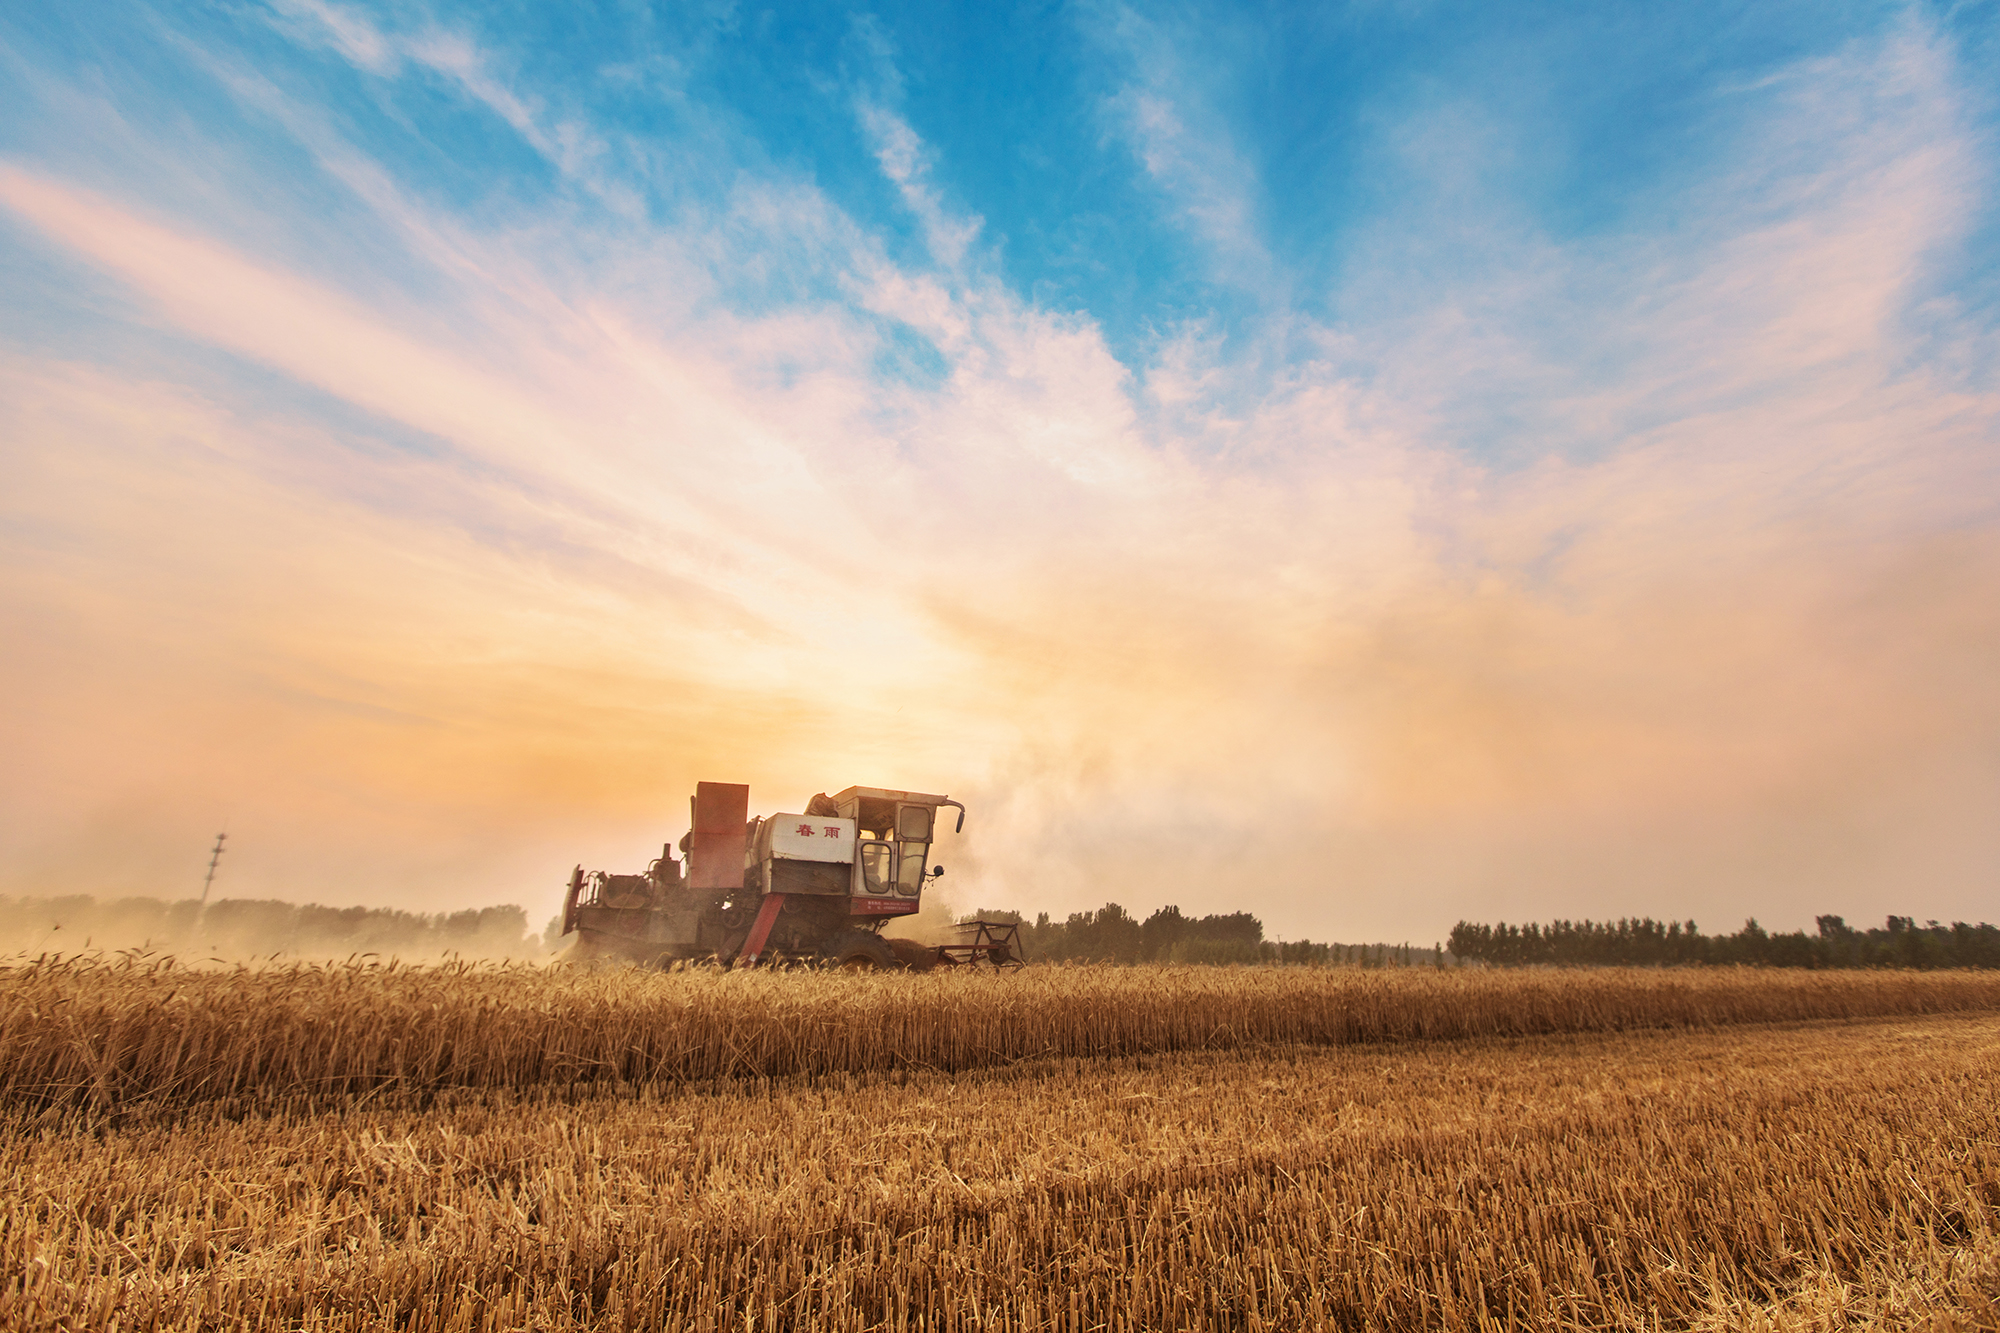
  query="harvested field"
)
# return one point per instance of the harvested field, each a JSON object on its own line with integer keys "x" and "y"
{"x": 1813, "y": 1176}
{"x": 123, "y": 1037}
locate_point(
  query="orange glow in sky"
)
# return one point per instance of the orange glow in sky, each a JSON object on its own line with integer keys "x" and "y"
{"x": 431, "y": 574}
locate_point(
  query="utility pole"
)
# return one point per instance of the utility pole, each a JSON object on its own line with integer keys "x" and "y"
{"x": 214, "y": 859}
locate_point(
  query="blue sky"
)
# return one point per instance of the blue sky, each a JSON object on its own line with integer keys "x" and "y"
{"x": 1228, "y": 168}
{"x": 1476, "y": 427}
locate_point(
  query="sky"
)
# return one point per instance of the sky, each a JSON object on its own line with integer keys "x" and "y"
{"x": 1371, "y": 465}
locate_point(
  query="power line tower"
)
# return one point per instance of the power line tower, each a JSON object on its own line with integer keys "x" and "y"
{"x": 214, "y": 859}
{"x": 208, "y": 882}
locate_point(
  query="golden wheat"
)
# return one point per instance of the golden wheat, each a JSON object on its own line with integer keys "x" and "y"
{"x": 1813, "y": 1177}
{"x": 118, "y": 1036}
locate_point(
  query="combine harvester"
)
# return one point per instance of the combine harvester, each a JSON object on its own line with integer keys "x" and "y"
{"x": 815, "y": 887}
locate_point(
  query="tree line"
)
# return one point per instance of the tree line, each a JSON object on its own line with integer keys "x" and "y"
{"x": 241, "y": 928}
{"x": 1113, "y": 935}
{"x": 1900, "y": 942}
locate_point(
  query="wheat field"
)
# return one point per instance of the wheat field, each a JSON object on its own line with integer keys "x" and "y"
{"x": 124, "y": 1035}
{"x": 1662, "y": 1169}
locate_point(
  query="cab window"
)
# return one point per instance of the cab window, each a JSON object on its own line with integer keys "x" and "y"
{"x": 910, "y": 859}
{"x": 876, "y": 872}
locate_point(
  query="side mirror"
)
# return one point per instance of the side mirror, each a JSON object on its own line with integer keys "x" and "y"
{"x": 937, "y": 870}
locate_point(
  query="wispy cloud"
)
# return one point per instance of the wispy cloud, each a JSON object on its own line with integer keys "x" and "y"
{"x": 348, "y": 31}
{"x": 566, "y": 142}
{"x": 901, "y": 154}
{"x": 1165, "y": 113}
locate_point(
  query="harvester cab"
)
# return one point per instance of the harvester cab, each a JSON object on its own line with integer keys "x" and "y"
{"x": 815, "y": 886}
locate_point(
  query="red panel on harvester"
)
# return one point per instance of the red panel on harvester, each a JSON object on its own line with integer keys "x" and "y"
{"x": 715, "y": 849}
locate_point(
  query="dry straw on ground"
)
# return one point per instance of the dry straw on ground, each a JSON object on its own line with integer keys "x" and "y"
{"x": 1813, "y": 1177}
{"x": 126, "y": 1037}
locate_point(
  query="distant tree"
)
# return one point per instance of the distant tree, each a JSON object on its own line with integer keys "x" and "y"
{"x": 1900, "y": 943}
{"x": 1111, "y": 935}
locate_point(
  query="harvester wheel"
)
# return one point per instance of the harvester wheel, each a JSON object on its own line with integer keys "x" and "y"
{"x": 912, "y": 956}
{"x": 861, "y": 951}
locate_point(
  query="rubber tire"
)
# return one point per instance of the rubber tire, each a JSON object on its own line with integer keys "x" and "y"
{"x": 861, "y": 951}
{"x": 912, "y": 956}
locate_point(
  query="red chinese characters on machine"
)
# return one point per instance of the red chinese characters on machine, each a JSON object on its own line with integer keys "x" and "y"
{"x": 797, "y": 837}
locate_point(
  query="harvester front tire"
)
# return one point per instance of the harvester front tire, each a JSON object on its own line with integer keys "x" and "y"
{"x": 863, "y": 951}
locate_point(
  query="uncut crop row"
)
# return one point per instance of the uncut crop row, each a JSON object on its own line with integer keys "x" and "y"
{"x": 113, "y": 1037}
